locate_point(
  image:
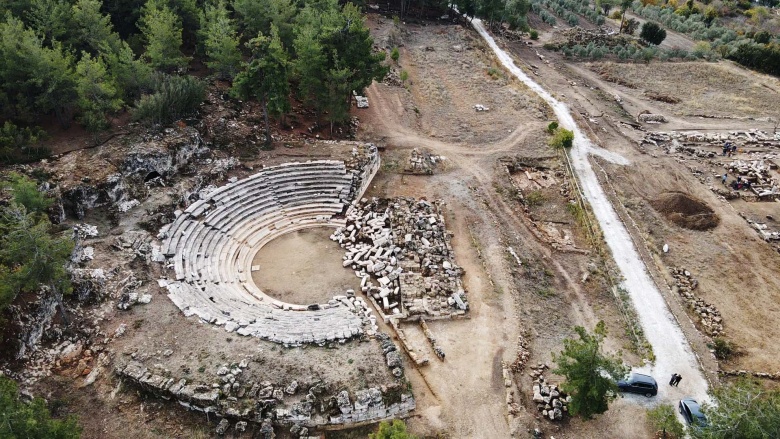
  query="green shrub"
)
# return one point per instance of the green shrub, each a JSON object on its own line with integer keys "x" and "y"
{"x": 174, "y": 97}
{"x": 30, "y": 420}
{"x": 653, "y": 33}
{"x": 551, "y": 127}
{"x": 396, "y": 430}
{"x": 18, "y": 145}
{"x": 534, "y": 198}
{"x": 395, "y": 54}
{"x": 562, "y": 138}
{"x": 534, "y": 34}
{"x": 723, "y": 348}
{"x": 664, "y": 420}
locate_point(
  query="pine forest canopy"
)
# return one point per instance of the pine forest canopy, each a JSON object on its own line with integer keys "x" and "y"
{"x": 86, "y": 60}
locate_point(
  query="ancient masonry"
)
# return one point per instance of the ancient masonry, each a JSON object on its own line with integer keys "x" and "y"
{"x": 296, "y": 405}
{"x": 706, "y": 315}
{"x": 210, "y": 246}
{"x": 401, "y": 250}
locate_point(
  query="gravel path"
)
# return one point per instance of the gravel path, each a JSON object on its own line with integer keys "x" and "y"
{"x": 673, "y": 353}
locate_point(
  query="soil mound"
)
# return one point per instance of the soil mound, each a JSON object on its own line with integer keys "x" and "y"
{"x": 686, "y": 211}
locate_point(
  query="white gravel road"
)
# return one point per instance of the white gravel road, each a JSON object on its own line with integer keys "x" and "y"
{"x": 671, "y": 348}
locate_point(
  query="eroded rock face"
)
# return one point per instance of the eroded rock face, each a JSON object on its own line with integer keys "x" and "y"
{"x": 158, "y": 157}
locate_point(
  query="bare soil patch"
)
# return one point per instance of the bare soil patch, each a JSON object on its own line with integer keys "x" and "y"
{"x": 303, "y": 267}
{"x": 686, "y": 211}
{"x": 450, "y": 73}
{"x": 717, "y": 89}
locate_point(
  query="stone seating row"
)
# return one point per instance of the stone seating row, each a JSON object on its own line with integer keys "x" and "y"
{"x": 211, "y": 246}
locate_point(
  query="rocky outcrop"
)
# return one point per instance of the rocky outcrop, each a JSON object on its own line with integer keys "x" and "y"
{"x": 154, "y": 158}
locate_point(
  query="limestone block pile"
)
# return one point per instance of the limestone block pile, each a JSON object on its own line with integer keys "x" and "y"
{"x": 705, "y": 314}
{"x": 401, "y": 251}
{"x": 550, "y": 400}
{"x": 422, "y": 162}
{"x": 757, "y": 173}
{"x": 763, "y": 229}
{"x": 651, "y": 118}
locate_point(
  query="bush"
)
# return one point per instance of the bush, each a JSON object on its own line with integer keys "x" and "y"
{"x": 175, "y": 97}
{"x": 762, "y": 37}
{"x": 534, "y": 34}
{"x": 396, "y": 430}
{"x": 21, "y": 420}
{"x": 18, "y": 145}
{"x": 534, "y": 198}
{"x": 723, "y": 348}
{"x": 562, "y": 138}
{"x": 653, "y": 33}
{"x": 664, "y": 419}
{"x": 762, "y": 57}
{"x": 630, "y": 26}
{"x": 551, "y": 127}
{"x": 395, "y": 54}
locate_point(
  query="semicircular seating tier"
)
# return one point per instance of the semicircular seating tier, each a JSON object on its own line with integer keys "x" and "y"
{"x": 211, "y": 245}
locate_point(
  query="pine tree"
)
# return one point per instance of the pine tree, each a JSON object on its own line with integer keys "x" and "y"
{"x": 266, "y": 77}
{"x": 51, "y": 19}
{"x": 31, "y": 257}
{"x": 590, "y": 374}
{"x": 163, "y": 32}
{"x": 92, "y": 28}
{"x": 97, "y": 92}
{"x": 219, "y": 40}
{"x": 130, "y": 74}
{"x": 23, "y": 420}
{"x": 308, "y": 67}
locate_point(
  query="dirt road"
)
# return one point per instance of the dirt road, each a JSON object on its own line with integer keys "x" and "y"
{"x": 673, "y": 353}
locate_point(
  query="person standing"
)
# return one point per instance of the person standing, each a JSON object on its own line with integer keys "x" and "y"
{"x": 677, "y": 380}
{"x": 673, "y": 380}
{"x": 725, "y": 177}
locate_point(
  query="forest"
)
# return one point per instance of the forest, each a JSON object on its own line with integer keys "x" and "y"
{"x": 86, "y": 61}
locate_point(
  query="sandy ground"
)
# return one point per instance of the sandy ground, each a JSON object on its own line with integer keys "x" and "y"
{"x": 737, "y": 272}
{"x": 463, "y": 396}
{"x": 673, "y": 354}
{"x": 303, "y": 267}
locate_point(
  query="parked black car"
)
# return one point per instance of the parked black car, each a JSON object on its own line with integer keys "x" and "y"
{"x": 691, "y": 411}
{"x": 639, "y": 383}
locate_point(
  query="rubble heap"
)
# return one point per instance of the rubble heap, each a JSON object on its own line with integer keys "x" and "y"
{"x": 523, "y": 354}
{"x": 422, "y": 162}
{"x": 549, "y": 399}
{"x": 401, "y": 250}
{"x": 763, "y": 230}
{"x": 601, "y": 36}
{"x": 757, "y": 173}
{"x": 651, "y": 118}
{"x": 707, "y": 315}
